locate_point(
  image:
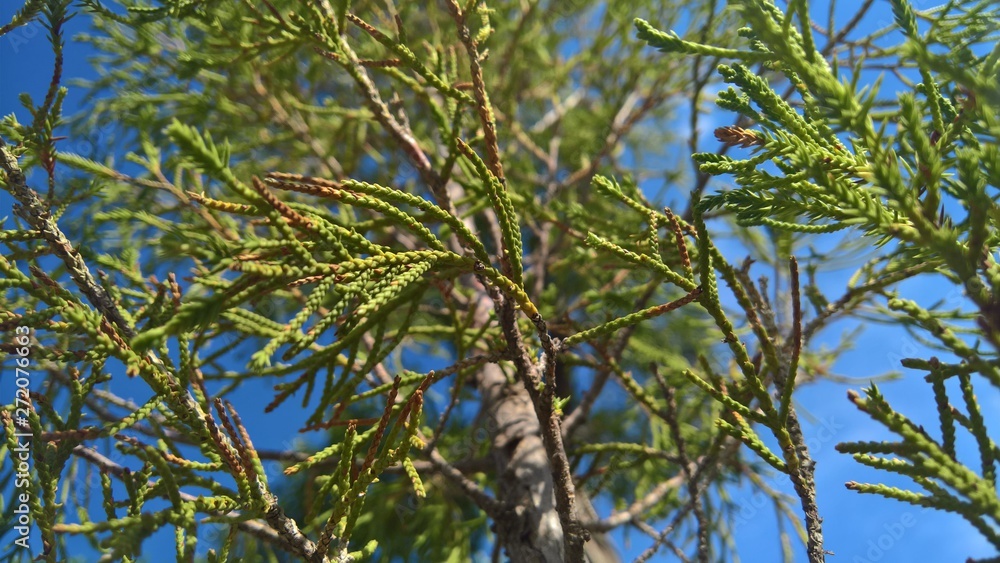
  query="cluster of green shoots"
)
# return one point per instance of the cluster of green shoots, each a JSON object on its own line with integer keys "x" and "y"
{"x": 317, "y": 253}
{"x": 917, "y": 175}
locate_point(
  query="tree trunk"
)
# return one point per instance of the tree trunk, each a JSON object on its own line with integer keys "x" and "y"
{"x": 529, "y": 530}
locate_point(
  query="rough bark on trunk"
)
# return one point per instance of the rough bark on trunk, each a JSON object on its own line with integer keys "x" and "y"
{"x": 529, "y": 530}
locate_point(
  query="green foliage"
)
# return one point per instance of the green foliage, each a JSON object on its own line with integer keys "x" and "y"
{"x": 916, "y": 178}
{"x": 431, "y": 228}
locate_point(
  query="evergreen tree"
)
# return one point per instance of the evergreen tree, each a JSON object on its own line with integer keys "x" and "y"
{"x": 467, "y": 240}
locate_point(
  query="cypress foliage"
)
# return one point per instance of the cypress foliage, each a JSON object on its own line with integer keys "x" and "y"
{"x": 423, "y": 228}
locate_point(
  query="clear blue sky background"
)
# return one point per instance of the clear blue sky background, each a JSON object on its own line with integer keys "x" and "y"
{"x": 857, "y": 528}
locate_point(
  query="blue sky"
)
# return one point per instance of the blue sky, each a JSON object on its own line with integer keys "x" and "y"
{"x": 857, "y": 528}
